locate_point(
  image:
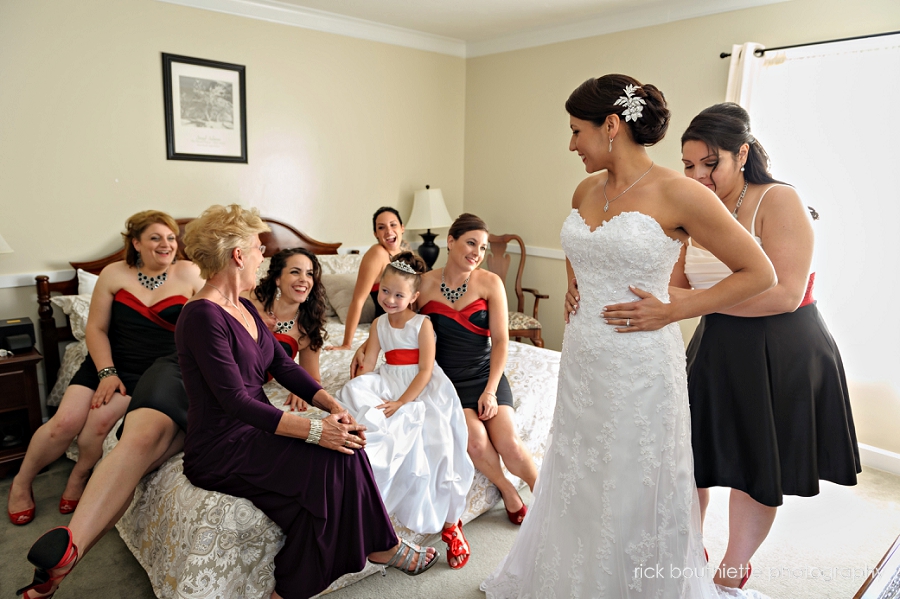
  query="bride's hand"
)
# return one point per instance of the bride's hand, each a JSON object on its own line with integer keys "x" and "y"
{"x": 646, "y": 314}
{"x": 572, "y": 299}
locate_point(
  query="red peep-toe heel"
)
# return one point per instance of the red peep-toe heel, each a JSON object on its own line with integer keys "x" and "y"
{"x": 67, "y": 506}
{"x": 25, "y": 516}
{"x": 53, "y": 555}
{"x": 517, "y": 517}
{"x": 457, "y": 545}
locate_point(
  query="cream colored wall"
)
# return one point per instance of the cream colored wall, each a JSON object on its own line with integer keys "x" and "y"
{"x": 336, "y": 127}
{"x": 520, "y": 175}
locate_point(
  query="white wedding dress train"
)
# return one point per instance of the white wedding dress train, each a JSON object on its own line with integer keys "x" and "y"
{"x": 615, "y": 513}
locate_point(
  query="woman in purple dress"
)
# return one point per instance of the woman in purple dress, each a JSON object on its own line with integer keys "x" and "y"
{"x": 321, "y": 492}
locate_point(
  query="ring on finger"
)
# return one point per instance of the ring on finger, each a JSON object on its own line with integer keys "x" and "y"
{"x": 627, "y": 322}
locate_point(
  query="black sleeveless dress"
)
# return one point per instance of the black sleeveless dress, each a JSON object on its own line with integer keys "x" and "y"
{"x": 464, "y": 350}
{"x": 142, "y": 342}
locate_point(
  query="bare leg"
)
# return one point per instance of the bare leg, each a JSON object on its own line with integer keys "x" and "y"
{"x": 502, "y": 431}
{"x": 148, "y": 440}
{"x": 90, "y": 443}
{"x": 487, "y": 460}
{"x": 49, "y": 442}
{"x": 749, "y": 523}
{"x": 703, "y": 494}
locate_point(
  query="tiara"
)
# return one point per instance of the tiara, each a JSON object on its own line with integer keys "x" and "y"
{"x": 404, "y": 267}
{"x": 634, "y": 105}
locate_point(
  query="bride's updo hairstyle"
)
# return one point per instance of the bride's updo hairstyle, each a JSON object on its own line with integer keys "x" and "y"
{"x": 726, "y": 127}
{"x": 595, "y": 99}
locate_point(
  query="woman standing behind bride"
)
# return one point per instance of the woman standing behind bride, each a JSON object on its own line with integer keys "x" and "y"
{"x": 615, "y": 512}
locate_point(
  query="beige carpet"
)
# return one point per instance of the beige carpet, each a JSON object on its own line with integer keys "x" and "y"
{"x": 820, "y": 548}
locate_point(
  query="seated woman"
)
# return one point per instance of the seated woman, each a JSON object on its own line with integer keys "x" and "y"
{"x": 417, "y": 429}
{"x": 321, "y": 492}
{"x": 472, "y": 345}
{"x": 131, "y": 324}
{"x": 388, "y": 228}
{"x": 157, "y": 413}
{"x": 291, "y": 301}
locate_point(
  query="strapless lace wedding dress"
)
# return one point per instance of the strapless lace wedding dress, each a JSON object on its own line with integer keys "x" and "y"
{"x": 615, "y": 513}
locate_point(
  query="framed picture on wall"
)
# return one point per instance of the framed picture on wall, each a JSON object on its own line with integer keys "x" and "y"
{"x": 206, "y": 111}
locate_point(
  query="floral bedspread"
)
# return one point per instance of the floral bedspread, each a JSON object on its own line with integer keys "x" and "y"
{"x": 197, "y": 544}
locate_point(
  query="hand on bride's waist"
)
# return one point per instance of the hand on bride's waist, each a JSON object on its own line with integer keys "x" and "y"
{"x": 647, "y": 313}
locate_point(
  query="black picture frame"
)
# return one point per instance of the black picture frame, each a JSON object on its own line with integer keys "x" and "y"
{"x": 205, "y": 104}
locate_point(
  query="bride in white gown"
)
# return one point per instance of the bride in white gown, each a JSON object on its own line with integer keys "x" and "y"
{"x": 615, "y": 512}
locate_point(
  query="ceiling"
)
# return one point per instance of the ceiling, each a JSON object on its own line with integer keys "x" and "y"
{"x": 469, "y": 28}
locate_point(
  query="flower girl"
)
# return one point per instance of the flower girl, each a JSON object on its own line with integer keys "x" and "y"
{"x": 416, "y": 428}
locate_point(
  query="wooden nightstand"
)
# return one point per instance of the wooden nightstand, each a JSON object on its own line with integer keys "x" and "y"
{"x": 20, "y": 404}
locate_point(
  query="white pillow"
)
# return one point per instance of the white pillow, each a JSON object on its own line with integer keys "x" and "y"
{"x": 339, "y": 291}
{"x": 86, "y": 282}
{"x": 76, "y": 307}
{"x": 334, "y": 264}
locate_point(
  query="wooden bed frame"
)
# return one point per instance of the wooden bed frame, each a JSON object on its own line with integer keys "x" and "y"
{"x": 282, "y": 236}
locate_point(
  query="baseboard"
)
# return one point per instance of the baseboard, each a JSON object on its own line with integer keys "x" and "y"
{"x": 880, "y": 459}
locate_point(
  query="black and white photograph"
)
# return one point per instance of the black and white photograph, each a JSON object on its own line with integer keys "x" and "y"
{"x": 205, "y": 110}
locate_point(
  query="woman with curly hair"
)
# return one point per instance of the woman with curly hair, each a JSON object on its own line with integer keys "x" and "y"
{"x": 291, "y": 301}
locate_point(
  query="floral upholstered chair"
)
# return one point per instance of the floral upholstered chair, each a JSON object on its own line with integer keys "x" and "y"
{"x": 498, "y": 261}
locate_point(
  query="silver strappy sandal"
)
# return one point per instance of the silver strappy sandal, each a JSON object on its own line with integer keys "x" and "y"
{"x": 409, "y": 550}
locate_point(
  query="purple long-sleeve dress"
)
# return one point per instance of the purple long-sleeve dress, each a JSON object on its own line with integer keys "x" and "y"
{"x": 326, "y": 502}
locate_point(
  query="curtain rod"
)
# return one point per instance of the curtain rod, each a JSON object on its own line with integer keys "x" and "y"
{"x": 845, "y": 39}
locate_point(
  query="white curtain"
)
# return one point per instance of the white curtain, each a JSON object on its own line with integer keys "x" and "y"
{"x": 828, "y": 115}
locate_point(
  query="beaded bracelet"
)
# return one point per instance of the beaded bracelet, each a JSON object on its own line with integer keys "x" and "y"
{"x": 108, "y": 371}
{"x": 315, "y": 432}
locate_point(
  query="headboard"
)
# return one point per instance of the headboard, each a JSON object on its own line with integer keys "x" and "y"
{"x": 282, "y": 236}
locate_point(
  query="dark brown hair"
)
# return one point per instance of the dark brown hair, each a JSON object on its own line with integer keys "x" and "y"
{"x": 466, "y": 222}
{"x": 411, "y": 260}
{"x": 311, "y": 316}
{"x": 137, "y": 224}
{"x": 726, "y": 127}
{"x": 381, "y": 211}
{"x": 595, "y": 99}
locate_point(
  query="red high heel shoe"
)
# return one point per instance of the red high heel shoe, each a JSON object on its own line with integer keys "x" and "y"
{"x": 67, "y": 506}
{"x": 747, "y": 576}
{"x": 517, "y": 517}
{"x": 25, "y": 516}
{"x": 54, "y": 555}
{"x": 457, "y": 546}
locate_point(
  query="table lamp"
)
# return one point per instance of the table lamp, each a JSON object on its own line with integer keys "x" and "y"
{"x": 429, "y": 212}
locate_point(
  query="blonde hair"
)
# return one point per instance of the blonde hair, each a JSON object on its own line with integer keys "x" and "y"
{"x": 135, "y": 227}
{"x": 210, "y": 239}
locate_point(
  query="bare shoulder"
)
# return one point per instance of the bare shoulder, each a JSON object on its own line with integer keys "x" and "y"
{"x": 782, "y": 202}
{"x": 113, "y": 276}
{"x": 186, "y": 270}
{"x": 487, "y": 280}
{"x": 375, "y": 252}
{"x": 586, "y": 187}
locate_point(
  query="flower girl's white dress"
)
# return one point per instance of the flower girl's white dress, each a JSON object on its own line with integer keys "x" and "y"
{"x": 419, "y": 454}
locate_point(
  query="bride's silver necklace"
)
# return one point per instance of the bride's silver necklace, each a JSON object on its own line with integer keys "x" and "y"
{"x": 228, "y": 299}
{"x": 740, "y": 199}
{"x": 453, "y": 295}
{"x": 152, "y": 283}
{"x": 606, "y": 207}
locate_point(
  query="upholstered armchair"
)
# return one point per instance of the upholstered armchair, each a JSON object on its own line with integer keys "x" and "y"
{"x": 498, "y": 261}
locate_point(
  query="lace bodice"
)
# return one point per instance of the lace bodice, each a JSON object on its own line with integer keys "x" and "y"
{"x": 629, "y": 249}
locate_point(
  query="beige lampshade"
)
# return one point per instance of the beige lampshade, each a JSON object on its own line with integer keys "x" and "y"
{"x": 429, "y": 210}
{"x": 4, "y": 247}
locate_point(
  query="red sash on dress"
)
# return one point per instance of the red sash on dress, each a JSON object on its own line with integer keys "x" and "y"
{"x": 460, "y": 316}
{"x": 151, "y": 313}
{"x": 402, "y": 357}
{"x": 808, "y": 296}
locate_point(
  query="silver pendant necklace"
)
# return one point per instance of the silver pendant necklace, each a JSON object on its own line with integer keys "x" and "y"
{"x": 152, "y": 283}
{"x": 740, "y": 199}
{"x": 606, "y": 207}
{"x": 228, "y": 299}
{"x": 453, "y": 295}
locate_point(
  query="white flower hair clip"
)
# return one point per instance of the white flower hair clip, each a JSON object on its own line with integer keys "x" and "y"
{"x": 634, "y": 105}
{"x": 404, "y": 267}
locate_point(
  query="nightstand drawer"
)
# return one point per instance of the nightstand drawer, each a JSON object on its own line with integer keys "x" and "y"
{"x": 13, "y": 386}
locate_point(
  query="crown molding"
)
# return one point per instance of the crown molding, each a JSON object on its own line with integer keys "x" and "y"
{"x": 319, "y": 20}
{"x": 658, "y": 13}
